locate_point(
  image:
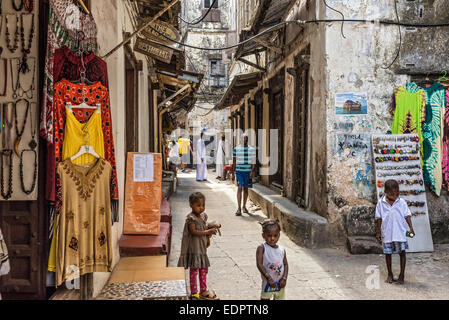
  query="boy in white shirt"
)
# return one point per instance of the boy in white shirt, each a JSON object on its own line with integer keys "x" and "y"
{"x": 392, "y": 213}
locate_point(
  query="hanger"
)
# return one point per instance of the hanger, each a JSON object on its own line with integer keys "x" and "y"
{"x": 84, "y": 105}
{"x": 443, "y": 78}
{"x": 85, "y": 149}
{"x": 83, "y": 6}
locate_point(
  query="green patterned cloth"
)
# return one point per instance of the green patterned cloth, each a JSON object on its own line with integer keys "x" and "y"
{"x": 409, "y": 113}
{"x": 433, "y": 134}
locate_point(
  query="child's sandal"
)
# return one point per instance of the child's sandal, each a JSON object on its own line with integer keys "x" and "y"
{"x": 207, "y": 295}
{"x": 195, "y": 296}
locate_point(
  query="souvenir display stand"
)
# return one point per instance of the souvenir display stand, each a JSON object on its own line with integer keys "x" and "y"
{"x": 19, "y": 118}
{"x": 398, "y": 157}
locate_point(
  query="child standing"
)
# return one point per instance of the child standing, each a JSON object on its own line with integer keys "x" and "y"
{"x": 392, "y": 213}
{"x": 194, "y": 247}
{"x": 272, "y": 262}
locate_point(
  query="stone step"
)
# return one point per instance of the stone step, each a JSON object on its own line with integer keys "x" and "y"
{"x": 146, "y": 245}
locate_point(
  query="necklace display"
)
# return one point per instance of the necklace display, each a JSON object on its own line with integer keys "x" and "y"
{"x": 22, "y": 182}
{"x": 19, "y": 133}
{"x": 17, "y": 88}
{"x": 6, "y": 153}
{"x": 17, "y": 8}
{"x": 24, "y": 68}
{"x": 16, "y": 34}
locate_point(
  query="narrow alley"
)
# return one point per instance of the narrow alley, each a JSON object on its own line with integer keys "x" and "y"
{"x": 313, "y": 274}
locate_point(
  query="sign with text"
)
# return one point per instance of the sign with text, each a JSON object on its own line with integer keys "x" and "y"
{"x": 156, "y": 28}
{"x": 353, "y": 145}
{"x": 153, "y": 50}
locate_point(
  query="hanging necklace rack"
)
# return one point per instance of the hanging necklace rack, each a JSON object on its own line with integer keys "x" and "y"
{"x": 16, "y": 34}
{"x": 26, "y": 49}
{"x": 5, "y": 76}
{"x": 17, "y": 8}
{"x": 19, "y": 133}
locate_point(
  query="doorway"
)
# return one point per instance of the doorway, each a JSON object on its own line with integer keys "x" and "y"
{"x": 131, "y": 102}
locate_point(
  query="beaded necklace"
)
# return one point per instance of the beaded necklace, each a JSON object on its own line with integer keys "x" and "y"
{"x": 29, "y": 5}
{"x": 33, "y": 184}
{"x": 6, "y": 152}
{"x": 16, "y": 35}
{"x": 19, "y": 133}
{"x": 26, "y": 49}
{"x": 5, "y": 76}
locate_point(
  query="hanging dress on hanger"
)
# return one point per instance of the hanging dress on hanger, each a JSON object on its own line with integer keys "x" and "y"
{"x": 82, "y": 229}
{"x": 433, "y": 134}
{"x": 408, "y": 110}
{"x": 65, "y": 19}
{"x": 77, "y": 134}
{"x": 65, "y": 91}
{"x": 67, "y": 66}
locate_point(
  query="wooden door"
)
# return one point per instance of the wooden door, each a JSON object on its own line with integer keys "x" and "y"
{"x": 301, "y": 132}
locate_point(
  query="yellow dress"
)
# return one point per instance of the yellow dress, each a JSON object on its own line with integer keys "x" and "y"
{"x": 77, "y": 134}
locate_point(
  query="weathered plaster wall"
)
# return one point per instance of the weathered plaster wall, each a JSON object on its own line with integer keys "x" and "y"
{"x": 355, "y": 64}
{"x": 112, "y": 20}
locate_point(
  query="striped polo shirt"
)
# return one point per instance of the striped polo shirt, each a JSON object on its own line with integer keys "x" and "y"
{"x": 245, "y": 157}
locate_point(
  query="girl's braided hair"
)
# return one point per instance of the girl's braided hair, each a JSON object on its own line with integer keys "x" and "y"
{"x": 268, "y": 223}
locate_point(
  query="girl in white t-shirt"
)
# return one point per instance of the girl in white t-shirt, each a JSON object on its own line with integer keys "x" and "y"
{"x": 272, "y": 262}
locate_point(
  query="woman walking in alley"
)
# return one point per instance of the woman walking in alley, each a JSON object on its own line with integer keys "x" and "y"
{"x": 272, "y": 262}
{"x": 201, "y": 160}
{"x": 194, "y": 247}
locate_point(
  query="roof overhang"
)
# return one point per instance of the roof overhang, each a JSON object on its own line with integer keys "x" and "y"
{"x": 268, "y": 14}
{"x": 239, "y": 87}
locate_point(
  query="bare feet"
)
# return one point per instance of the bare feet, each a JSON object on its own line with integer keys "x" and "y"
{"x": 400, "y": 280}
{"x": 239, "y": 212}
{"x": 245, "y": 210}
{"x": 390, "y": 279}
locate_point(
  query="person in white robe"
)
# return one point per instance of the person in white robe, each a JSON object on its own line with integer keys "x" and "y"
{"x": 222, "y": 156}
{"x": 201, "y": 164}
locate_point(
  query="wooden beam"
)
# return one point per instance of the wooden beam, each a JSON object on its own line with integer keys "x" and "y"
{"x": 269, "y": 46}
{"x": 160, "y": 13}
{"x": 174, "y": 95}
{"x": 252, "y": 64}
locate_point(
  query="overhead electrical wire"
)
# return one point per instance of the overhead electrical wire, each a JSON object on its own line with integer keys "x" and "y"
{"x": 386, "y": 22}
{"x": 343, "y": 16}
{"x": 200, "y": 18}
{"x": 400, "y": 37}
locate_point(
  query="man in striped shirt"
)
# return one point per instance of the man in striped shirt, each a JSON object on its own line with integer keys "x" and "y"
{"x": 244, "y": 163}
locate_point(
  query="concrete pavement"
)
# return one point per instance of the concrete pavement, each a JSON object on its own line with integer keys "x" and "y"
{"x": 313, "y": 274}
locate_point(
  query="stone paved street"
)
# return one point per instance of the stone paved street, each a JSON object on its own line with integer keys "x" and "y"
{"x": 314, "y": 274}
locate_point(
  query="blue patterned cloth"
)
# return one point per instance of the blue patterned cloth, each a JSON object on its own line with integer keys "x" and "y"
{"x": 395, "y": 247}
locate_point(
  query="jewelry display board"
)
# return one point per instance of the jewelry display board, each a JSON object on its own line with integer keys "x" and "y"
{"x": 398, "y": 157}
{"x": 19, "y": 109}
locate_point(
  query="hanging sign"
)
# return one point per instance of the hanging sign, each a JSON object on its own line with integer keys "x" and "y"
{"x": 153, "y": 50}
{"x": 398, "y": 157}
{"x": 162, "y": 28}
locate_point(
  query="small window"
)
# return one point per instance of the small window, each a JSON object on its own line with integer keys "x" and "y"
{"x": 218, "y": 73}
{"x": 207, "y": 3}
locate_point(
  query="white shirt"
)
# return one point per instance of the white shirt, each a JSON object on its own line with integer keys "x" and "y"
{"x": 174, "y": 150}
{"x": 273, "y": 261}
{"x": 393, "y": 217}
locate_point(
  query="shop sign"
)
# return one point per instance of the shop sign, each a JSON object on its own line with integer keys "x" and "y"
{"x": 153, "y": 50}
{"x": 162, "y": 27}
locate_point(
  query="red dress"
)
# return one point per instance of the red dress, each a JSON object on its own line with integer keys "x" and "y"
{"x": 65, "y": 91}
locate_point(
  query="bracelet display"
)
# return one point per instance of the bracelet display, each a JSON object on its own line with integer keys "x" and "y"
{"x": 396, "y": 159}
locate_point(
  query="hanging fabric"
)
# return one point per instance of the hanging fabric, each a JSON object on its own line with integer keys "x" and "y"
{"x": 4, "y": 257}
{"x": 65, "y": 20}
{"x": 66, "y": 66}
{"x": 433, "y": 129}
{"x": 408, "y": 110}
{"x": 65, "y": 92}
{"x": 445, "y": 160}
{"x": 82, "y": 230}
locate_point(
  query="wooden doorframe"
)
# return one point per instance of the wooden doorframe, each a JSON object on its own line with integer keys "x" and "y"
{"x": 131, "y": 101}
{"x": 277, "y": 86}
